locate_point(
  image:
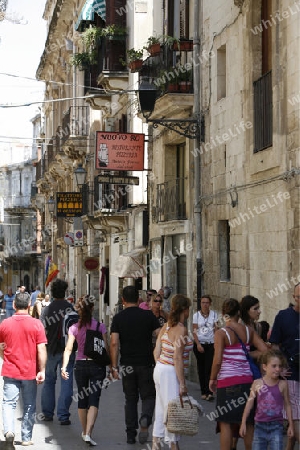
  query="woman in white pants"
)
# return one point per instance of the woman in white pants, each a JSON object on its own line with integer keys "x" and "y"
{"x": 171, "y": 355}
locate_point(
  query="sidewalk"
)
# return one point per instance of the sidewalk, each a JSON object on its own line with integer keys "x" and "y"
{"x": 109, "y": 430}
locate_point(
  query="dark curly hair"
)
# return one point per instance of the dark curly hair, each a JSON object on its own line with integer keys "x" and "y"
{"x": 84, "y": 307}
{"x": 179, "y": 303}
{"x": 245, "y": 304}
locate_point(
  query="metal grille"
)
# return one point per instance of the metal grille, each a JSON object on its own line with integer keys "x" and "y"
{"x": 263, "y": 117}
{"x": 170, "y": 201}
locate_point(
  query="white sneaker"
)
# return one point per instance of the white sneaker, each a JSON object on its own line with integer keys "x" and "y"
{"x": 90, "y": 440}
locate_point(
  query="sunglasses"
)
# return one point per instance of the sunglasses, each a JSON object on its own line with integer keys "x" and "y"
{"x": 157, "y": 301}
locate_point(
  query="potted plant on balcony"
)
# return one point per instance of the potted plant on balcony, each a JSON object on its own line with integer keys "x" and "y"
{"x": 185, "y": 80}
{"x": 172, "y": 42}
{"x": 91, "y": 38}
{"x": 153, "y": 46}
{"x": 114, "y": 32}
{"x": 134, "y": 59}
{"x": 83, "y": 60}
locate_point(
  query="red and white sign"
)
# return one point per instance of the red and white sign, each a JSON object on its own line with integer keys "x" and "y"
{"x": 91, "y": 263}
{"x": 120, "y": 151}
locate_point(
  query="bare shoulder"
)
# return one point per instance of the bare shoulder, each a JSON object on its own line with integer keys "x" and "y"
{"x": 283, "y": 385}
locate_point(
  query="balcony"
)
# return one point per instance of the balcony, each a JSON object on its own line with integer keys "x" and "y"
{"x": 170, "y": 201}
{"x": 170, "y": 70}
{"x": 75, "y": 131}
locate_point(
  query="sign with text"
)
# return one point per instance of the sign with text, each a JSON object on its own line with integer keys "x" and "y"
{"x": 120, "y": 151}
{"x": 115, "y": 179}
{"x": 69, "y": 204}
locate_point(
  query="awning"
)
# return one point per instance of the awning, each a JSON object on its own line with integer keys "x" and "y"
{"x": 130, "y": 265}
{"x": 90, "y": 8}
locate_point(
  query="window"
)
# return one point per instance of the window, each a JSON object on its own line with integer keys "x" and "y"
{"x": 266, "y": 39}
{"x": 262, "y": 88}
{"x": 224, "y": 250}
{"x": 221, "y": 72}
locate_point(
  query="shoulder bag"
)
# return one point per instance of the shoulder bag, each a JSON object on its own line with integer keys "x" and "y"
{"x": 94, "y": 347}
{"x": 253, "y": 366}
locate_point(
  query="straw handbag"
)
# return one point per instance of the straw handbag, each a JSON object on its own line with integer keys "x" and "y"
{"x": 183, "y": 416}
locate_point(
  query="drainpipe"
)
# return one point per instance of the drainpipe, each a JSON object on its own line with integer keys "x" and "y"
{"x": 197, "y": 143}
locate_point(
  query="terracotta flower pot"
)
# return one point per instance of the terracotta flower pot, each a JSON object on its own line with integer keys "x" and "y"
{"x": 135, "y": 66}
{"x": 154, "y": 49}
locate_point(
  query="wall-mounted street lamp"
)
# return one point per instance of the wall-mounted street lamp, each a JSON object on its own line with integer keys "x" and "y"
{"x": 51, "y": 205}
{"x": 80, "y": 175}
{"x": 190, "y": 128}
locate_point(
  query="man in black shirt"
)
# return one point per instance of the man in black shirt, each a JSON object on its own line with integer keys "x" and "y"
{"x": 52, "y": 318}
{"x": 131, "y": 332}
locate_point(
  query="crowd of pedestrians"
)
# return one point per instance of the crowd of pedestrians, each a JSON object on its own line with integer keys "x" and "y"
{"x": 35, "y": 350}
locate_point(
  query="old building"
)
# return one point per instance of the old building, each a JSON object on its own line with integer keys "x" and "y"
{"x": 217, "y": 204}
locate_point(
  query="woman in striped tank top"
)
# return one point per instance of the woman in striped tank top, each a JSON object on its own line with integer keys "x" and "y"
{"x": 231, "y": 377}
{"x": 171, "y": 355}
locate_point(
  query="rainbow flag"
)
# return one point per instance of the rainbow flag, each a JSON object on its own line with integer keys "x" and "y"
{"x": 52, "y": 272}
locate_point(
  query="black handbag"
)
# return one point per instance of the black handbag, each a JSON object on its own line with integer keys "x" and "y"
{"x": 94, "y": 347}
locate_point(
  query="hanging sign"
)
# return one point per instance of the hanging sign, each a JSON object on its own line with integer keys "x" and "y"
{"x": 69, "y": 204}
{"x": 120, "y": 151}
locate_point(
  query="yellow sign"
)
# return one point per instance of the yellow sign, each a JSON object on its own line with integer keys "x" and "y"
{"x": 69, "y": 204}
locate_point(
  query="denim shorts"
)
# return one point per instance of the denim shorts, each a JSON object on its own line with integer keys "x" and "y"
{"x": 268, "y": 433}
{"x": 89, "y": 378}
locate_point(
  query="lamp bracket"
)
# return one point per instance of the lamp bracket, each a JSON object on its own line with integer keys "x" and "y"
{"x": 189, "y": 128}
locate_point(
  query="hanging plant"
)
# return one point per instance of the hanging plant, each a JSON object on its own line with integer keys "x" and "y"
{"x": 83, "y": 60}
{"x": 91, "y": 38}
{"x": 114, "y": 32}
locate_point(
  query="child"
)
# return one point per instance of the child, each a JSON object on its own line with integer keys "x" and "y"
{"x": 272, "y": 395}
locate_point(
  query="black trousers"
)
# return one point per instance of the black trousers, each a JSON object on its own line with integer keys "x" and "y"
{"x": 204, "y": 363}
{"x": 138, "y": 383}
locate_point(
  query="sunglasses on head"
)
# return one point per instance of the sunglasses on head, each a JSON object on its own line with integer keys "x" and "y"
{"x": 157, "y": 301}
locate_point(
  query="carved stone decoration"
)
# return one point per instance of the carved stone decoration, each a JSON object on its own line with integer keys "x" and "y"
{"x": 239, "y": 3}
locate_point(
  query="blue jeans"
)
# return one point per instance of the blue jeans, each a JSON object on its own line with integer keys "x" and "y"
{"x": 54, "y": 363}
{"x": 11, "y": 392}
{"x": 268, "y": 433}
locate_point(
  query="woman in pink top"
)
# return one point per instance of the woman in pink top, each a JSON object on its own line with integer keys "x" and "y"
{"x": 231, "y": 377}
{"x": 171, "y": 355}
{"x": 89, "y": 376}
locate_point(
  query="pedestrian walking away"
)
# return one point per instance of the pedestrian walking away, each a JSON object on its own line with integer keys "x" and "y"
{"x": 23, "y": 350}
{"x": 204, "y": 327}
{"x": 271, "y": 394}
{"x": 7, "y": 303}
{"x": 52, "y": 317}
{"x": 285, "y": 336}
{"x": 88, "y": 374}
{"x": 131, "y": 333}
{"x": 171, "y": 355}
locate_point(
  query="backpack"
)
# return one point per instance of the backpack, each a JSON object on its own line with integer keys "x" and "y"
{"x": 67, "y": 321}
